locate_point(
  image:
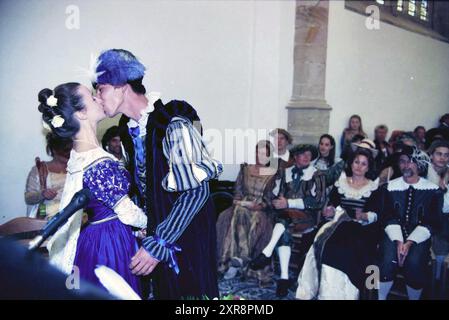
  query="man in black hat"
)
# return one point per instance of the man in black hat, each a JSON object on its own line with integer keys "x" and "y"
{"x": 413, "y": 207}
{"x": 301, "y": 187}
{"x": 435, "y": 134}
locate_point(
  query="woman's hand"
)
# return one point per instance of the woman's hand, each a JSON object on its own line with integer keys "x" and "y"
{"x": 329, "y": 212}
{"x": 360, "y": 215}
{"x": 49, "y": 194}
{"x": 280, "y": 203}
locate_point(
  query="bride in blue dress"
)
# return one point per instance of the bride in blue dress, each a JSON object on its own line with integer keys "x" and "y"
{"x": 107, "y": 238}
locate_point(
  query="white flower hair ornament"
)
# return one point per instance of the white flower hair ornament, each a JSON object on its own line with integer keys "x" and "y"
{"x": 52, "y": 101}
{"x": 57, "y": 121}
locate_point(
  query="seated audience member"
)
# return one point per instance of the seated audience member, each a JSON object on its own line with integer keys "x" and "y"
{"x": 420, "y": 135}
{"x": 413, "y": 207}
{"x": 355, "y": 127}
{"x": 326, "y": 161}
{"x": 244, "y": 229}
{"x": 384, "y": 148}
{"x": 336, "y": 263}
{"x": 326, "y": 153}
{"x": 390, "y": 169}
{"x": 346, "y": 152}
{"x": 112, "y": 143}
{"x": 46, "y": 179}
{"x": 282, "y": 139}
{"x": 297, "y": 195}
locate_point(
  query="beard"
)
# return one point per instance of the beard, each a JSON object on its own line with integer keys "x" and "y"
{"x": 407, "y": 173}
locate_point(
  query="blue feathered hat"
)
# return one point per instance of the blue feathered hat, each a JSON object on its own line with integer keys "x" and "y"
{"x": 117, "y": 67}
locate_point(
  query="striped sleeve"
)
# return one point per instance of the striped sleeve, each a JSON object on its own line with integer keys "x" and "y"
{"x": 189, "y": 160}
{"x": 184, "y": 210}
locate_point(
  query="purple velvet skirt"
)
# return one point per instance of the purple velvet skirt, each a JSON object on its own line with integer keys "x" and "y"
{"x": 109, "y": 243}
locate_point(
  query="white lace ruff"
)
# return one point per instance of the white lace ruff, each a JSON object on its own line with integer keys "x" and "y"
{"x": 399, "y": 184}
{"x": 345, "y": 189}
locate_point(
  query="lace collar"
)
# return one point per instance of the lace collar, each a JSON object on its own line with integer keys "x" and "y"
{"x": 349, "y": 192}
{"x": 79, "y": 161}
{"x": 307, "y": 173}
{"x": 142, "y": 123}
{"x": 399, "y": 184}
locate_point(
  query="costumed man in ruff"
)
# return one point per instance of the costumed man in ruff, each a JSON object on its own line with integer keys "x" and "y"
{"x": 301, "y": 189}
{"x": 414, "y": 207}
{"x": 171, "y": 169}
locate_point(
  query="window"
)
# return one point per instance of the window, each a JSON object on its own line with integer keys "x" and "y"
{"x": 426, "y": 17}
{"x": 415, "y": 10}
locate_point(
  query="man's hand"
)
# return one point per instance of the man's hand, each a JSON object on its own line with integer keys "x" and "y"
{"x": 402, "y": 251}
{"x": 142, "y": 263}
{"x": 405, "y": 249}
{"x": 399, "y": 246}
{"x": 280, "y": 203}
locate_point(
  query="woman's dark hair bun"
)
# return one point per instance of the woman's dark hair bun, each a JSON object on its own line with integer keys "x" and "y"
{"x": 43, "y": 95}
{"x": 68, "y": 102}
{"x": 46, "y": 110}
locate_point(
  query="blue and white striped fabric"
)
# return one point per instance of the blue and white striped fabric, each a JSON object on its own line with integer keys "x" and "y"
{"x": 184, "y": 210}
{"x": 189, "y": 160}
{"x": 191, "y": 167}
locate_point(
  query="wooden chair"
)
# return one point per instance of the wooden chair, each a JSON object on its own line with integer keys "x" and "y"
{"x": 22, "y": 229}
{"x": 21, "y": 225}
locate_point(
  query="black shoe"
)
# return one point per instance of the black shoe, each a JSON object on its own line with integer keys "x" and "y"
{"x": 282, "y": 288}
{"x": 260, "y": 262}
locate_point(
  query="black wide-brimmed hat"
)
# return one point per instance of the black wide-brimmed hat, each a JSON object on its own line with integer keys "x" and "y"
{"x": 301, "y": 148}
{"x": 436, "y": 134}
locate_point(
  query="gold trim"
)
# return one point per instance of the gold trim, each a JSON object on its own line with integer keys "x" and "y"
{"x": 97, "y": 161}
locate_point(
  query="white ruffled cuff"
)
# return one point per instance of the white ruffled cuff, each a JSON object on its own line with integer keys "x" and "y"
{"x": 130, "y": 214}
{"x": 394, "y": 232}
{"x": 296, "y": 204}
{"x": 420, "y": 234}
